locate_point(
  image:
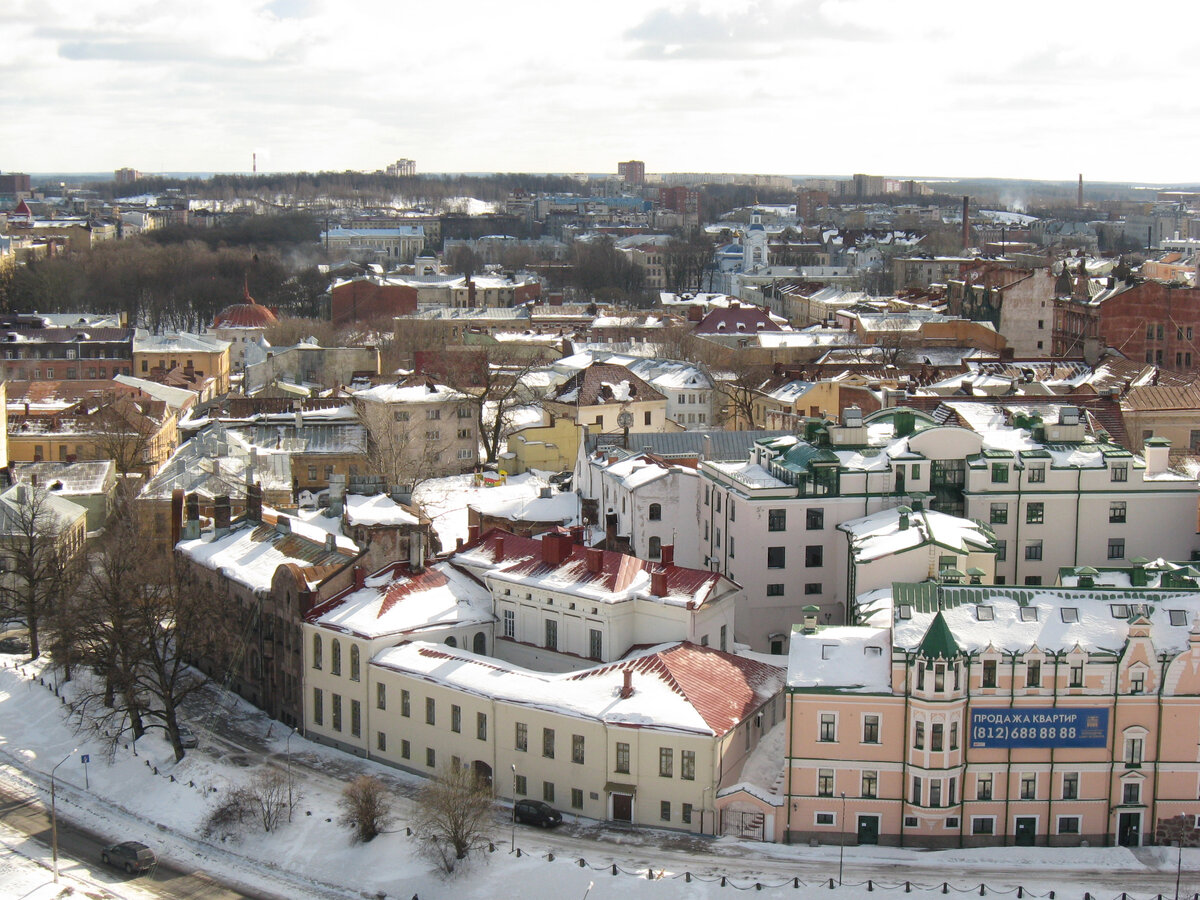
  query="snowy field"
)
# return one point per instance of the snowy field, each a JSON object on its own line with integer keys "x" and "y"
{"x": 149, "y": 797}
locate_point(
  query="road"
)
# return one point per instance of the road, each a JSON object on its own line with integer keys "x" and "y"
{"x": 79, "y": 847}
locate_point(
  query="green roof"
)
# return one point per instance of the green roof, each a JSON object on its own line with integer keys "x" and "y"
{"x": 802, "y": 456}
{"x": 938, "y": 642}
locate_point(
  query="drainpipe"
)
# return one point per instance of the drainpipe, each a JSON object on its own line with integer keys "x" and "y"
{"x": 791, "y": 712}
{"x": 1162, "y": 678}
{"x": 1078, "y": 482}
{"x": 1054, "y": 705}
{"x": 1012, "y": 699}
{"x": 962, "y": 818}
{"x": 904, "y": 759}
{"x": 1016, "y": 550}
{"x": 1112, "y": 748}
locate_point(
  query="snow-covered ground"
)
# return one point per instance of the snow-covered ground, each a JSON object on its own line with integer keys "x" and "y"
{"x": 149, "y": 797}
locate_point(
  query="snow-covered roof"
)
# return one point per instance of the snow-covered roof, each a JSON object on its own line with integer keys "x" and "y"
{"x": 397, "y": 601}
{"x": 377, "y": 510}
{"x": 525, "y": 503}
{"x": 677, "y": 687}
{"x": 849, "y": 658}
{"x": 891, "y": 531}
{"x": 423, "y": 392}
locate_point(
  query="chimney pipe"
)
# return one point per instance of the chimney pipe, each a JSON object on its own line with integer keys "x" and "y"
{"x": 499, "y": 554}
{"x": 176, "y": 515}
{"x": 658, "y": 582}
{"x": 594, "y": 557}
{"x": 360, "y": 577}
{"x": 221, "y": 516}
{"x": 627, "y": 685}
{"x": 668, "y": 555}
{"x": 472, "y": 534}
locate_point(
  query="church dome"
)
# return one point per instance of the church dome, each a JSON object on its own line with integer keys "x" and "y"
{"x": 247, "y": 314}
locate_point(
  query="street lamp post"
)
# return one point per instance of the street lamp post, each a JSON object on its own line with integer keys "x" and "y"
{"x": 54, "y": 815}
{"x": 289, "y": 771}
{"x": 1178, "y": 866}
{"x": 512, "y": 845}
{"x": 842, "y": 842}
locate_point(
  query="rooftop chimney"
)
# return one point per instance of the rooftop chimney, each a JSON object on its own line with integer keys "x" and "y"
{"x": 555, "y": 548}
{"x": 416, "y": 551}
{"x": 191, "y": 527}
{"x": 176, "y": 515}
{"x": 668, "y": 555}
{"x": 254, "y": 503}
{"x": 283, "y": 525}
{"x": 627, "y": 685}
{"x": 658, "y": 582}
{"x": 360, "y": 578}
{"x": 595, "y": 560}
{"x": 499, "y": 554}
{"x": 472, "y": 533}
{"x": 578, "y": 534}
{"x": 221, "y": 516}
{"x": 330, "y": 543}
{"x": 1158, "y": 455}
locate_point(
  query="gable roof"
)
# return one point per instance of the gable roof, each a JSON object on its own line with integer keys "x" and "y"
{"x": 602, "y": 383}
{"x": 938, "y": 642}
{"x": 740, "y": 319}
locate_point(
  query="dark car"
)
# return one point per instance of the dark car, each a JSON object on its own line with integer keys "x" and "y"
{"x": 187, "y": 739}
{"x": 132, "y": 856}
{"x": 535, "y": 812}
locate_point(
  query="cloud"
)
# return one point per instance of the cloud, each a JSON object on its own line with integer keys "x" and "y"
{"x": 763, "y": 29}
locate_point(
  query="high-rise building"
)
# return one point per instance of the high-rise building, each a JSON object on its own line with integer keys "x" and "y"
{"x": 633, "y": 171}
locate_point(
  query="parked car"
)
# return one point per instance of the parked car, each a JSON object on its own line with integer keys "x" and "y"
{"x": 535, "y": 812}
{"x": 132, "y": 856}
{"x": 187, "y": 740}
{"x": 14, "y": 644}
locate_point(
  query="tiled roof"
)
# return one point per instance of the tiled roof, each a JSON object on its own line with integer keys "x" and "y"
{"x": 600, "y": 383}
{"x": 736, "y": 320}
{"x": 724, "y": 689}
{"x": 722, "y": 445}
{"x": 1163, "y": 397}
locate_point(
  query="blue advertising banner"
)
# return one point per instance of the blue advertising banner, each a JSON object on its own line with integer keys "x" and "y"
{"x": 1046, "y": 726}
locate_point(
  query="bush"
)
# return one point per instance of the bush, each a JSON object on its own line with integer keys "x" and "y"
{"x": 366, "y": 807}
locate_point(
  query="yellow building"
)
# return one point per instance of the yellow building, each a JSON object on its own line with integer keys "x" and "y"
{"x": 201, "y": 355}
{"x": 550, "y": 448}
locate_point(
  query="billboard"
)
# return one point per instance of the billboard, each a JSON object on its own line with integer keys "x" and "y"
{"x": 1039, "y": 726}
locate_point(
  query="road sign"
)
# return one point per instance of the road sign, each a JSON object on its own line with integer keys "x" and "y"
{"x": 85, "y": 758}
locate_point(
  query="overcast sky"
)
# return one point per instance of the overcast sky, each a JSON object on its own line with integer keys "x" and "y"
{"x": 1044, "y": 89}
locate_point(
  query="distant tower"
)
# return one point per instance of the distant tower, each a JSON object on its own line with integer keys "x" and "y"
{"x": 254, "y": 162}
{"x": 1079, "y": 199}
{"x": 966, "y": 234}
{"x": 633, "y": 171}
{"x": 754, "y": 245}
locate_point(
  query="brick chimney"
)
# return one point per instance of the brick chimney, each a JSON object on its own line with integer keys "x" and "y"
{"x": 254, "y": 503}
{"x": 472, "y": 534}
{"x": 627, "y": 685}
{"x": 221, "y": 516}
{"x": 668, "y": 554}
{"x": 595, "y": 560}
{"x": 658, "y": 582}
{"x": 360, "y": 578}
{"x": 283, "y": 525}
{"x": 555, "y": 548}
{"x": 499, "y": 554}
{"x": 578, "y": 534}
{"x": 176, "y": 515}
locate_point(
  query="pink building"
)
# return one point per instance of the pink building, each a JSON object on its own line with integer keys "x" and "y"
{"x": 960, "y": 716}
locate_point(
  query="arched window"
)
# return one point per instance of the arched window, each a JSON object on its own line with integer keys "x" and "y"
{"x": 655, "y": 512}
{"x": 335, "y": 662}
{"x": 655, "y": 547}
{"x": 451, "y": 642}
{"x": 480, "y": 643}
{"x": 354, "y": 662}
{"x": 316, "y": 651}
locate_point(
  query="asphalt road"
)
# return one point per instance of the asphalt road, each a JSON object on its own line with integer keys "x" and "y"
{"x": 77, "y": 846}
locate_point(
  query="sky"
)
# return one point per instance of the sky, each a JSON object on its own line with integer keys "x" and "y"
{"x": 1042, "y": 89}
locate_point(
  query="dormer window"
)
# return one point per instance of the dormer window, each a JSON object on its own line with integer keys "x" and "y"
{"x": 1029, "y": 614}
{"x": 985, "y": 613}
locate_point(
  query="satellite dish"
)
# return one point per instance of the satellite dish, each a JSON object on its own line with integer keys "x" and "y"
{"x": 625, "y": 419}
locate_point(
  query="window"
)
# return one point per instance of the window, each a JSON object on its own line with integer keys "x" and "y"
{"x": 1116, "y": 548}
{"x": 551, "y": 634}
{"x": 870, "y": 730}
{"x": 687, "y": 765}
{"x": 935, "y": 793}
{"x": 1001, "y": 551}
{"x": 999, "y": 473}
{"x": 918, "y": 793}
{"x": 954, "y": 733}
{"x": 655, "y": 512}
{"x": 465, "y": 412}
{"x": 433, "y": 414}
{"x": 664, "y": 810}
{"x": 548, "y": 791}
{"x": 577, "y": 748}
{"x": 1033, "y": 673}
{"x": 355, "y": 718}
{"x": 983, "y": 825}
{"x": 316, "y": 664}
{"x": 318, "y": 707}
{"x": 405, "y": 705}
{"x": 919, "y": 736}
{"x": 1119, "y": 472}
{"x": 686, "y": 814}
{"x": 1116, "y": 512}
{"x": 595, "y": 643}
{"x": 870, "y": 784}
{"x": 1131, "y": 792}
{"x": 824, "y": 818}
{"x": 430, "y": 711}
{"x": 666, "y": 762}
{"x": 775, "y": 590}
{"x": 464, "y": 434}
{"x": 1028, "y": 787}
{"x": 724, "y": 636}
{"x": 828, "y": 727}
{"x": 312, "y": 473}
{"x": 1178, "y": 616}
{"x": 1133, "y": 751}
{"x": 1068, "y": 824}
{"x": 465, "y": 454}
{"x": 814, "y": 519}
{"x": 1069, "y": 614}
{"x": 999, "y": 514}
{"x": 936, "y": 736}
{"x": 481, "y": 726}
{"x": 335, "y": 654}
{"x": 1029, "y": 614}
{"x": 989, "y": 673}
{"x": 355, "y": 669}
{"x": 983, "y": 786}
{"x": 381, "y": 741}
{"x": 380, "y": 695}
{"x": 510, "y": 623}
{"x": 576, "y": 798}
{"x": 814, "y": 556}
{"x": 812, "y": 587}
{"x": 433, "y": 434}
{"x": 548, "y": 743}
{"x": 1076, "y": 674}
{"x": 825, "y": 782}
{"x": 776, "y": 558}
{"x": 521, "y": 785}
{"x": 1033, "y": 550}
{"x": 522, "y": 738}
{"x": 1035, "y": 513}
{"x": 1070, "y": 785}
{"x": 336, "y": 704}
{"x": 622, "y": 762}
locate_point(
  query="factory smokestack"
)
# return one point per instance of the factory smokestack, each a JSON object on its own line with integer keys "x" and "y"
{"x": 254, "y": 162}
{"x": 1079, "y": 200}
{"x": 966, "y": 235}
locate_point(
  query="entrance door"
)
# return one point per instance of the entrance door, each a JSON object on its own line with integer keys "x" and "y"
{"x": 483, "y": 773}
{"x": 868, "y": 829}
{"x": 622, "y": 807}
{"x": 1129, "y": 829}
{"x": 1026, "y": 830}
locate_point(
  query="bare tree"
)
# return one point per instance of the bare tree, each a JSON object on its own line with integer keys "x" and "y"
{"x": 131, "y": 621}
{"x": 125, "y": 430}
{"x": 365, "y": 806}
{"x": 403, "y": 447}
{"x": 738, "y": 388}
{"x": 452, "y": 812}
{"x": 264, "y": 801}
{"x": 42, "y": 546}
